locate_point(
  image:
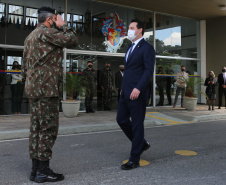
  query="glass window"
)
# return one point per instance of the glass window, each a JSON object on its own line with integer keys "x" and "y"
{"x": 18, "y": 10}
{"x": 176, "y": 36}
{"x": 15, "y": 14}
{"x": 2, "y": 10}
{"x": 31, "y": 16}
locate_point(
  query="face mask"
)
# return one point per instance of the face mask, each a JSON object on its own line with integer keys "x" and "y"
{"x": 131, "y": 35}
{"x": 90, "y": 66}
{"x": 223, "y": 70}
{"x": 182, "y": 69}
{"x": 53, "y": 25}
{"x": 122, "y": 70}
{"x": 210, "y": 76}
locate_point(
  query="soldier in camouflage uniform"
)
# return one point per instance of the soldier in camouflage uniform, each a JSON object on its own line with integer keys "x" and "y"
{"x": 106, "y": 83}
{"x": 42, "y": 69}
{"x": 90, "y": 74}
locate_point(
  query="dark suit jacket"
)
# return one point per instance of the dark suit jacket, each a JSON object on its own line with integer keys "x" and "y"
{"x": 118, "y": 80}
{"x": 220, "y": 80}
{"x": 138, "y": 70}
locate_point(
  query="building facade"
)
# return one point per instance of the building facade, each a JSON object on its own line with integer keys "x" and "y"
{"x": 101, "y": 29}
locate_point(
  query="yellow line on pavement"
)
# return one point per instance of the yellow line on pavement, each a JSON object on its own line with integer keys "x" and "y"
{"x": 152, "y": 112}
{"x": 179, "y": 123}
{"x": 171, "y": 121}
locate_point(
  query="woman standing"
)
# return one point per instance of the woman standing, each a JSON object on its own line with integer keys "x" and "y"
{"x": 17, "y": 89}
{"x": 211, "y": 83}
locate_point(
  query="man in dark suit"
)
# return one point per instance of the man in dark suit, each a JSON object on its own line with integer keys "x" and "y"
{"x": 118, "y": 79}
{"x": 139, "y": 67}
{"x": 222, "y": 86}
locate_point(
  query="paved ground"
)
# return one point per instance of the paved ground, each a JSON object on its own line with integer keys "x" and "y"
{"x": 16, "y": 126}
{"x": 95, "y": 158}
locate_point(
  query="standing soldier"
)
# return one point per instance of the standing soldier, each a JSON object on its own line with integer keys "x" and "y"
{"x": 90, "y": 74}
{"x": 106, "y": 83}
{"x": 118, "y": 79}
{"x": 42, "y": 69}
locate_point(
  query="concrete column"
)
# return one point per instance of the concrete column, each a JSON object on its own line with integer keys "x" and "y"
{"x": 203, "y": 55}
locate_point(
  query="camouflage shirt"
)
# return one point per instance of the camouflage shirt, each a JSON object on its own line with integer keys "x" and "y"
{"x": 42, "y": 60}
{"x": 90, "y": 75}
{"x": 106, "y": 78}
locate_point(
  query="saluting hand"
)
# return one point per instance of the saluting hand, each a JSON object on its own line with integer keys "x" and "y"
{"x": 60, "y": 22}
{"x": 135, "y": 93}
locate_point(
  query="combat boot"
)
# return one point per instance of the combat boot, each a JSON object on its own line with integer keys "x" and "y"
{"x": 45, "y": 174}
{"x": 34, "y": 169}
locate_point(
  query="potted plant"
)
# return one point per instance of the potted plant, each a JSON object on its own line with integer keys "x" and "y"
{"x": 190, "y": 99}
{"x": 73, "y": 84}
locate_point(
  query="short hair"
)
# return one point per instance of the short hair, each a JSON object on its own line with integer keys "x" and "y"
{"x": 160, "y": 67}
{"x": 140, "y": 24}
{"x": 44, "y": 13}
{"x": 108, "y": 62}
{"x": 89, "y": 61}
{"x": 182, "y": 66}
{"x": 14, "y": 64}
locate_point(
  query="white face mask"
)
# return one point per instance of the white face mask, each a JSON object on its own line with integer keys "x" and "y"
{"x": 131, "y": 35}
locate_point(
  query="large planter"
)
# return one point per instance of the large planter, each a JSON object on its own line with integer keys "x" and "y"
{"x": 190, "y": 103}
{"x": 70, "y": 108}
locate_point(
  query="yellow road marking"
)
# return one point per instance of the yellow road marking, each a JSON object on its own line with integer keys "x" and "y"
{"x": 142, "y": 162}
{"x": 179, "y": 123}
{"x": 171, "y": 122}
{"x": 186, "y": 152}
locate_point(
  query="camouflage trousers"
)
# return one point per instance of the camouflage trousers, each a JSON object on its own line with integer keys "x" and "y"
{"x": 89, "y": 99}
{"x": 43, "y": 127}
{"x": 107, "y": 96}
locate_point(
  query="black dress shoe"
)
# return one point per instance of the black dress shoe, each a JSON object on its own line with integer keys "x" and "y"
{"x": 130, "y": 165}
{"x": 219, "y": 107}
{"x": 146, "y": 146}
{"x": 87, "y": 111}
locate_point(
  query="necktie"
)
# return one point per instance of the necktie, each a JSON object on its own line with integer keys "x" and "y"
{"x": 130, "y": 51}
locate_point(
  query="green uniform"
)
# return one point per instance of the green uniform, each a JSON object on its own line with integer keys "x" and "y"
{"x": 106, "y": 80}
{"x": 42, "y": 69}
{"x": 90, "y": 75}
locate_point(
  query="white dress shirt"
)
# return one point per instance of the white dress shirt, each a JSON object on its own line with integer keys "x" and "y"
{"x": 135, "y": 44}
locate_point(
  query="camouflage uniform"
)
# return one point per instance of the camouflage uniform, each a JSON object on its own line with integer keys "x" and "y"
{"x": 90, "y": 75}
{"x": 106, "y": 80}
{"x": 42, "y": 69}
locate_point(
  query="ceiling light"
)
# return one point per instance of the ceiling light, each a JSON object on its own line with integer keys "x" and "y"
{"x": 222, "y": 7}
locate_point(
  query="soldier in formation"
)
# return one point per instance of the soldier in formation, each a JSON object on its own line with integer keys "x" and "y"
{"x": 106, "y": 83}
{"x": 42, "y": 69}
{"x": 90, "y": 74}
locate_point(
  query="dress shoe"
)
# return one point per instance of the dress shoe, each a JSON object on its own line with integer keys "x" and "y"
{"x": 130, "y": 165}
{"x": 159, "y": 104}
{"x": 47, "y": 175}
{"x": 219, "y": 107}
{"x": 182, "y": 106}
{"x": 212, "y": 108}
{"x": 87, "y": 111}
{"x": 146, "y": 146}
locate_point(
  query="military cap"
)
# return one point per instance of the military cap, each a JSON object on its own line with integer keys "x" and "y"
{"x": 89, "y": 61}
{"x": 121, "y": 66}
{"x": 45, "y": 9}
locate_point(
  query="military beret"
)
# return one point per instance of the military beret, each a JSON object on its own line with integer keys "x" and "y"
{"x": 90, "y": 61}
{"x": 45, "y": 9}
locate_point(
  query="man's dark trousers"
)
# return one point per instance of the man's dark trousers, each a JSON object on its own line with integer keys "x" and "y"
{"x": 222, "y": 91}
{"x": 134, "y": 129}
